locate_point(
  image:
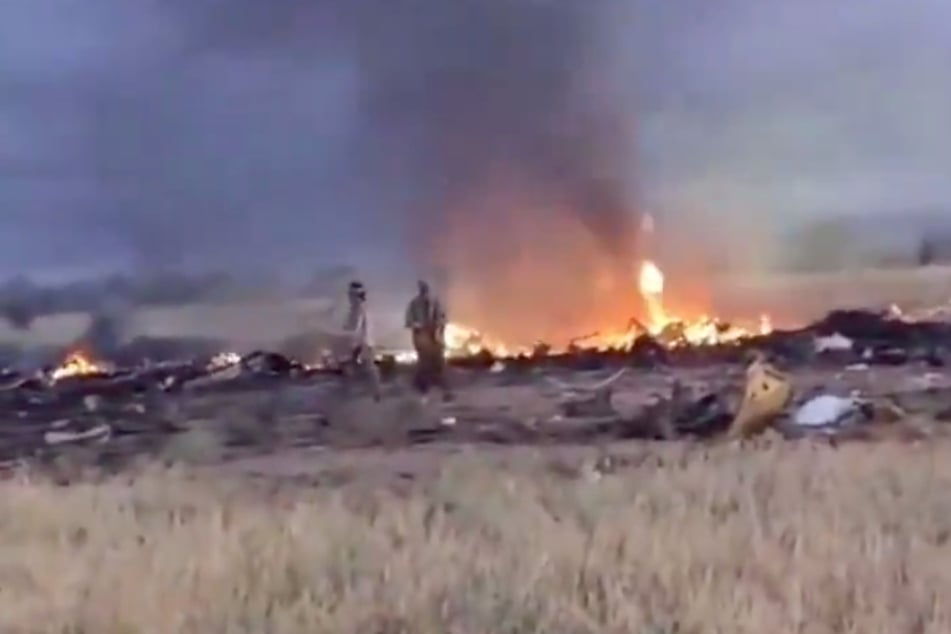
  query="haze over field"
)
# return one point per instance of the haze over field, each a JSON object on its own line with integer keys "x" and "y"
{"x": 259, "y": 135}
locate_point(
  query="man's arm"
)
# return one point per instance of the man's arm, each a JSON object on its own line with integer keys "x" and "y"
{"x": 441, "y": 318}
{"x": 441, "y": 322}
{"x": 410, "y": 319}
{"x": 360, "y": 335}
{"x": 366, "y": 331}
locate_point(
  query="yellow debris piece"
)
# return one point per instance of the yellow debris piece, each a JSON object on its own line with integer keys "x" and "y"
{"x": 768, "y": 392}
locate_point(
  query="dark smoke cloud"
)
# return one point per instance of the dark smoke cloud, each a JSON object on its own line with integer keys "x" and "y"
{"x": 480, "y": 95}
{"x": 132, "y": 143}
{"x": 269, "y": 135}
{"x": 457, "y": 100}
{"x": 487, "y": 135}
{"x": 519, "y": 144}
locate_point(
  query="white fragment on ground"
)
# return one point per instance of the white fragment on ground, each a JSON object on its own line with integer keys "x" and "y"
{"x": 100, "y": 433}
{"x": 92, "y": 402}
{"x": 825, "y": 411}
{"x": 833, "y": 343}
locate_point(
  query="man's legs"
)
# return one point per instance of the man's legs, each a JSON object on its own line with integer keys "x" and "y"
{"x": 348, "y": 368}
{"x": 439, "y": 373}
{"x": 421, "y": 378}
{"x": 368, "y": 360}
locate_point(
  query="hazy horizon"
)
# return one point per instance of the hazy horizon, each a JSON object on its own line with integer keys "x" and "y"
{"x": 288, "y": 136}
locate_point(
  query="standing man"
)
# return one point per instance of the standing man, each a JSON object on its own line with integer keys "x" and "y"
{"x": 359, "y": 337}
{"x": 426, "y": 320}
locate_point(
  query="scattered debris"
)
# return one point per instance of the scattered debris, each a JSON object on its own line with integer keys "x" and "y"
{"x": 600, "y": 386}
{"x": 216, "y": 376}
{"x": 832, "y": 343}
{"x": 827, "y": 410}
{"x": 768, "y": 391}
{"x": 886, "y": 411}
{"x": 704, "y": 417}
{"x": 66, "y": 431}
{"x": 142, "y": 408}
{"x": 597, "y": 404}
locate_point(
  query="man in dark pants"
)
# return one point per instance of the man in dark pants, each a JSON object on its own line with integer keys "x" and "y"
{"x": 426, "y": 320}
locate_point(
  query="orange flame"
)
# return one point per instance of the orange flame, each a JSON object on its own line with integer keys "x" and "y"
{"x": 651, "y": 285}
{"x": 669, "y": 329}
{"x": 673, "y": 330}
{"x": 77, "y": 363}
{"x": 666, "y": 327}
{"x": 462, "y": 341}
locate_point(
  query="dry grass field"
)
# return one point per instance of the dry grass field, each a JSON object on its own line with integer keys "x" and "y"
{"x": 773, "y": 538}
{"x": 796, "y": 298}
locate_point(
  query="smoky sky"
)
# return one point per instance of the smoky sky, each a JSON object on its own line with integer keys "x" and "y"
{"x": 289, "y": 134}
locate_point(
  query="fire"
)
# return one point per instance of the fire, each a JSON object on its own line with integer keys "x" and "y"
{"x": 462, "y": 341}
{"x": 661, "y": 324}
{"x": 77, "y": 363}
{"x": 650, "y": 282}
{"x": 674, "y": 330}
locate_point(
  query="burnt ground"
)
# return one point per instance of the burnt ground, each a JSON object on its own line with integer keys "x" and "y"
{"x": 265, "y": 409}
{"x": 322, "y": 428}
{"x": 511, "y": 421}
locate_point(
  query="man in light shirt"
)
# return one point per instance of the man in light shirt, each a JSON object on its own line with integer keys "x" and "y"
{"x": 358, "y": 337}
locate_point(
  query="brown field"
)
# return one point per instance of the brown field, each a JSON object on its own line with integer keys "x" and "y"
{"x": 790, "y": 299}
{"x": 800, "y": 297}
{"x": 773, "y": 538}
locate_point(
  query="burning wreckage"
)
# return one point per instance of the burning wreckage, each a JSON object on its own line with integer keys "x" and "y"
{"x": 693, "y": 379}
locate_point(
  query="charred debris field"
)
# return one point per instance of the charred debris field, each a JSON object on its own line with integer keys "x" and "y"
{"x": 865, "y": 375}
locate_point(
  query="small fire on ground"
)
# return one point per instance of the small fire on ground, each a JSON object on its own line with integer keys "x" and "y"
{"x": 664, "y": 326}
{"x": 77, "y": 363}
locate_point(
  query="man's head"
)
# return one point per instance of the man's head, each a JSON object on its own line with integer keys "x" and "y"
{"x": 356, "y": 291}
{"x": 423, "y": 288}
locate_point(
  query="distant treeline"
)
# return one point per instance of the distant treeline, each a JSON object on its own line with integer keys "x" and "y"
{"x": 838, "y": 244}
{"x": 83, "y": 295}
{"x": 22, "y": 300}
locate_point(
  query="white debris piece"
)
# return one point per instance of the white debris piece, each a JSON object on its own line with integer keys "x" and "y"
{"x": 826, "y": 410}
{"x": 833, "y": 342}
{"x": 60, "y": 435}
{"x": 223, "y": 360}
